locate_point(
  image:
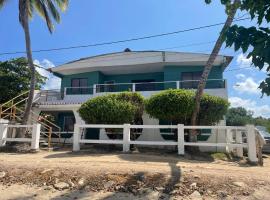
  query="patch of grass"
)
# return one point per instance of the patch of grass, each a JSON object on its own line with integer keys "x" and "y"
{"x": 220, "y": 156}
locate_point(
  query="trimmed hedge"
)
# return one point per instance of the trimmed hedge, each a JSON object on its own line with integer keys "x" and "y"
{"x": 119, "y": 108}
{"x": 177, "y": 106}
{"x": 107, "y": 109}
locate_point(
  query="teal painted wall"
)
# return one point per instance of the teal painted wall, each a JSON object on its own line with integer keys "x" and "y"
{"x": 174, "y": 73}
{"x": 171, "y": 73}
{"x": 92, "y": 78}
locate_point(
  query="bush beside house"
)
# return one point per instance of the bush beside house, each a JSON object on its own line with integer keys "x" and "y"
{"x": 176, "y": 106}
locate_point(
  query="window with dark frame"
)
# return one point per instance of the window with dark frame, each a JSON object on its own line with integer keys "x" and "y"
{"x": 190, "y": 79}
{"x": 144, "y": 85}
{"x": 79, "y": 86}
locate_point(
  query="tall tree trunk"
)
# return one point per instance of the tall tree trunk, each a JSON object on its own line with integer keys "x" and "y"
{"x": 25, "y": 25}
{"x": 208, "y": 67}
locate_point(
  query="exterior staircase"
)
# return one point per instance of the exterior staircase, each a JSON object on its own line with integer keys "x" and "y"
{"x": 13, "y": 111}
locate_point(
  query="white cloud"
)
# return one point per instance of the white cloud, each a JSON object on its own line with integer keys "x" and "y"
{"x": 240, "y": 76}
{"x": 248, "y": 86}
{"x": 52, "y": 81}
{"x": 259, "y": 110}
{"x": 243, "y": 61}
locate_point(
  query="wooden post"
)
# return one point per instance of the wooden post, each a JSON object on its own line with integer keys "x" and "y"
{"x": 180, "y": 139}
{"x": 50, "y": 138}
{"x": 1, "y": 110}
{"x": 14, "y": 113}
{"x": 126, "y": 138}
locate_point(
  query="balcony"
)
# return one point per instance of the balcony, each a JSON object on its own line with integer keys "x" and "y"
{"x": 215, "y": 87}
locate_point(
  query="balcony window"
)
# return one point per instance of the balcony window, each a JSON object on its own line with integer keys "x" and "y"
{"x": 190, "y": 80}
{"x": 144, "y": 85}
{"x": 79, "y": 86}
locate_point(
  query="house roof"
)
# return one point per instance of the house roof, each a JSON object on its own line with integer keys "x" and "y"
{"x": 136, "y": 62}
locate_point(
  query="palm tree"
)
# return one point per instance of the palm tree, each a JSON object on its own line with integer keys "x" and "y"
{"x": 48, "y": 10}
{"x": 232, "y": 11}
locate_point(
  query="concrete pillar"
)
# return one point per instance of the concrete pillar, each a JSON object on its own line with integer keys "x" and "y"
{"x": 239, "y": 140}
{"x": 180, "y": 139}
{"x": 35, "y": 137}
{"x": 76, "y": 138}
{"x": 251, "y": 140}
{"x": 126, "y": 138}
{"x": 3, "y": 134}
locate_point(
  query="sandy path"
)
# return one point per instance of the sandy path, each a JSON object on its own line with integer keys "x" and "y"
{"x": 117, "y": 163}
{"x": 126, "y": 163}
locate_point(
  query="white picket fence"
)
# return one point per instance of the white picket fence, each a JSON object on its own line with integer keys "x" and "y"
{"x": 35, "y": 134}
{"x": 230, "y": 131}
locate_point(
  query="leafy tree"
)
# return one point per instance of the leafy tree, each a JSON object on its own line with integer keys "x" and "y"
{"x": 238, "y": 117}
{"x": 260, "y": 121}
{"x": 232, "y": 8}
{"x": 15, "y": 78}
{"x": 47, "y": 9}
{"x": 254, "y": 40}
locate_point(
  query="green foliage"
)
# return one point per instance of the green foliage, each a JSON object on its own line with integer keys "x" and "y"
{"x": 260, "y": 121}
{"x": 135, "y": 99}
{"x": 238, "y": 117}
{"x": 255, "y": 39}
{"x": 15, "y": 78}
{"x": 112, "y": 109}
{"x": 177, "y": 106}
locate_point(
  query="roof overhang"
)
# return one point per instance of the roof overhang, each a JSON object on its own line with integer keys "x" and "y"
{"x": 137, "y": 62}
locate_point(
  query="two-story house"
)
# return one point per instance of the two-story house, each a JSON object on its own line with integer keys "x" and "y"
{"x": 146, "y": 72}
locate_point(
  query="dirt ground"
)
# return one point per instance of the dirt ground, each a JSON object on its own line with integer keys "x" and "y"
{"x": 91, "y": 175}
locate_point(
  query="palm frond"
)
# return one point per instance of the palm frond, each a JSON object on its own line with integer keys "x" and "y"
{"x": 2, "y": 3}
{"x": 42, "y": 9}
{"x": 54, "y": 12}
{"x": 62, "y": 4}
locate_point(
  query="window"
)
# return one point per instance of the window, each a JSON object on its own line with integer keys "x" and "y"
{"x": 144, "y": 85}
{"x": 79, "y": 86}
{"x": 190, "y": 79}
{"x": 68, "y": 125}
{"x": 109, "y": 86}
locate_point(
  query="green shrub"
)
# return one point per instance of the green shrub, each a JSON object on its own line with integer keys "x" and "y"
{"x": 107, "y": 109}
{"x": 177, "y": 106}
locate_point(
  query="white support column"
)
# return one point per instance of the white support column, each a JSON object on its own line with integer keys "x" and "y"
{"x": 177, "y": 84}
{"x": 229, "y": 139}
{"x": 126, "y": 138}
{"x": 239, "y": 140}
{"x": 251, "y": 139}
{"x": 180, "y": 139}
{"x": 133, "y": 87}
{"x": 65, "y": 91}
{"x": 3, "y": 134}
{"x": 35, "y": 137}
{"x": 94, "y": 89}
{"x": 76, "y": 138}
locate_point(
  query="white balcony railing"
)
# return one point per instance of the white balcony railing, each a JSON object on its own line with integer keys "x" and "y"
{"x": 143, "y": 86}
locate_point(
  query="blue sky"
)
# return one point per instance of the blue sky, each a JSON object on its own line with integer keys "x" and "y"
{"x": 95, "y": 21}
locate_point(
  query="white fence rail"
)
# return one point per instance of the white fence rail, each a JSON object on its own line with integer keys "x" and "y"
{"x": 234, "y": 138}
{"x": 35, "y": 134}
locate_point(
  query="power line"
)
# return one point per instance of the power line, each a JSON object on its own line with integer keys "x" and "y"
{"x": 123, "y": 41}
